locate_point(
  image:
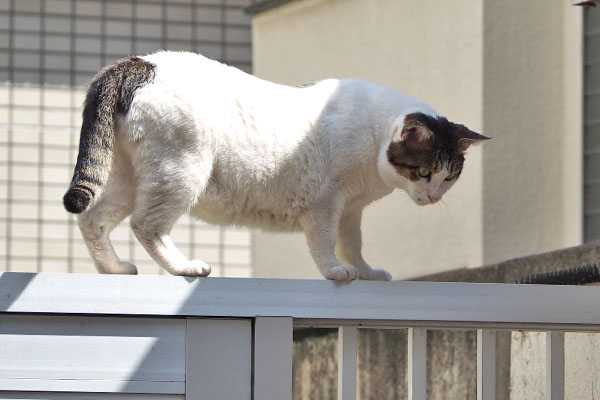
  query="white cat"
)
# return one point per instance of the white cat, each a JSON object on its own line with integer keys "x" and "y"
{"x": 172, "y": 133}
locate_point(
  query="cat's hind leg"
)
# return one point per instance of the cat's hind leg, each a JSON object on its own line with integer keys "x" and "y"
{"x": 115, "y": 203}
{"x": 159, "y": 204}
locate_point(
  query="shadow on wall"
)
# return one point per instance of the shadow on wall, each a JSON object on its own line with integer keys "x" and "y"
{"x": 13, "y": 285}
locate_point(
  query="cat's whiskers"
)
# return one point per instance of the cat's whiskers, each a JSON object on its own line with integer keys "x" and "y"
{"x": 401, "y": 194}
{"x": 438, "y": 207}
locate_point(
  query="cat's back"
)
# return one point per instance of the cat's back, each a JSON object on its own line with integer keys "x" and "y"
{"x": 187, "y": 68}
{"x": 208, "y": 94}
{"x": 271, "y": 150}
{"x": 247, "y": 132}
{"x": 194, "y": 76}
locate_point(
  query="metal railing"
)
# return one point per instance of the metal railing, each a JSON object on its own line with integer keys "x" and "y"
{"x": 224, "y": 338}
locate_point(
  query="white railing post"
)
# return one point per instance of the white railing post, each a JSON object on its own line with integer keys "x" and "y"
{"x": 417, "y": 363}
{"x": 273, "y": 358}
{"x": 486, "y": 365}
{"x": 555, "y": 365}
{"x": 347, "y": 345}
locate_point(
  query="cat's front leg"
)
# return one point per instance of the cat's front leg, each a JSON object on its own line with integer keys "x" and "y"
{"x": 320, "y": 225}
{"x": 350, "y": 244}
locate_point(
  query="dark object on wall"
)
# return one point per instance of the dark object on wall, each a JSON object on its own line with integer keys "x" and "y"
{"x": 585, "y": 275}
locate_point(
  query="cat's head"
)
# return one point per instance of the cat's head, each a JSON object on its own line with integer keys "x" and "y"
{"x": 425, "y": 155}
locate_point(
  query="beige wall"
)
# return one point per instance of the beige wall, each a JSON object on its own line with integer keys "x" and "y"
{"x": 510, "y": 69}
{"x": 532, "y": 107}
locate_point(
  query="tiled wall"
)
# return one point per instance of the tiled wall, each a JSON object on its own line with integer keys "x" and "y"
{"x": 49, "y": 50}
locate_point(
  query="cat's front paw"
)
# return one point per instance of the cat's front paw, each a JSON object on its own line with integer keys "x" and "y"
{"x": 378, "y": 275}
{"x": 194, "y": 268}
{"x": 342, "y": 272}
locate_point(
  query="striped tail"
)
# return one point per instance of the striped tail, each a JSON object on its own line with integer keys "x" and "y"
{"x": 110, "y": 94}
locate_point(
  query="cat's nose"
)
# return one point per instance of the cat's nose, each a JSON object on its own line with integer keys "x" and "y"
{"x": 433, "y": 199}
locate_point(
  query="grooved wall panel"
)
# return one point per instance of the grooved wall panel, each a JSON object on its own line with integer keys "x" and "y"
{"x": 79, "y": 354}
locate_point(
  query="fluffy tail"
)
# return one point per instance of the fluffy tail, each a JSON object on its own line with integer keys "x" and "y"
{"x": 110, "y": 94}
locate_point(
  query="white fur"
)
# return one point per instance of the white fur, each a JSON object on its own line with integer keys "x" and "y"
{"x": 231, "y": 148}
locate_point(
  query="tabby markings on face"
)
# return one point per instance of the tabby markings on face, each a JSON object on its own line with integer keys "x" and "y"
{"x": 420, "y": 155}
{"x": 429, "y": 152}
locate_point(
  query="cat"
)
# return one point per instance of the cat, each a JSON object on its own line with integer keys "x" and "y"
{"x": 174, "y": 132}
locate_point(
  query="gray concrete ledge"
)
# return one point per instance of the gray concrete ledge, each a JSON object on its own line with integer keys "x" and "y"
{"x": 511, "y": 271}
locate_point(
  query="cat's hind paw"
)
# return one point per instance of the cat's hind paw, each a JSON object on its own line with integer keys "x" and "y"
{"x": 127, "y": 268}
{"x": 378, "y": 275}
{"x": 193, "y": 268}
{"x": 342, "y": 272}
{"x": 123, "y": 267}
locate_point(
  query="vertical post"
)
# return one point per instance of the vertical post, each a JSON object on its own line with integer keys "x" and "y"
{"x": 417, "y": 364}
{"x": 486, "y": 365}
{"x": 273, "y": 358}
{"x": 218, "y": 359}
{"x": 555, "y": 365}
{"x": 347, "y": 344}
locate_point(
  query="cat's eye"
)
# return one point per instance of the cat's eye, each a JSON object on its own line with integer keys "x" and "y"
{"x": 450, "y": 178}
{"x": 423, "y": 172}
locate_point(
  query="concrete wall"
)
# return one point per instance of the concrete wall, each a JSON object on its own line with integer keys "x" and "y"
{"x": 520, "y": 357}
{"x": 510, "y": 69}
{"x": 451, "y": 355}
{"x": 532, "y": 186}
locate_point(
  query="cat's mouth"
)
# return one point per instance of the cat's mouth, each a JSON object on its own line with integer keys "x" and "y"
{"x": 424, "y": 200}
{"x": 420, "y": 201}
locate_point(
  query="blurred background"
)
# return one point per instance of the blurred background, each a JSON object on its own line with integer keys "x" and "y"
{"x": 526, "y": 73}
{"x": 521, "y": 72}
{"x": 49, "y": 51}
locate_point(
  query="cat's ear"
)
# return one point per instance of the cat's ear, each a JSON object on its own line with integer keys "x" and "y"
{"x": 410, "y": 129}
{"x": 467, "y": 137}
